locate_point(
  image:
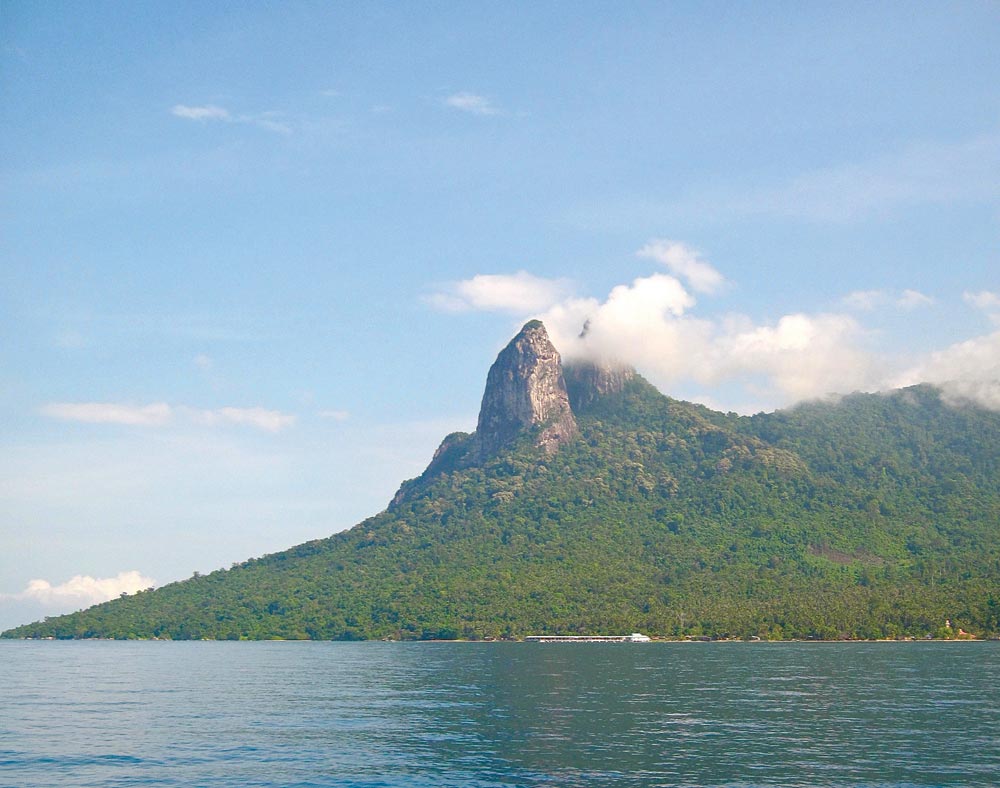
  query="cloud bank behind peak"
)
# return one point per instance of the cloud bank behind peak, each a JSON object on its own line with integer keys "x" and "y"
{"x": 653, "y": 323}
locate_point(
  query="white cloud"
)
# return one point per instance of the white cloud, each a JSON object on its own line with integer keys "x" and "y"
{"x": 984, "y": 299}
{"x": 985, "y": 393}
{"x": 203, "y": 362}
{"x": 643, "y": 324}
{"x": 335, "y": 415}
{"x": 870, "y": 300}
{"x": 270, "y": 120}
{"x": 913, "y": 299}
{"x": 207, "y": 112}
{"x": 83, "y": 590}
{"x": 519, "y": 293}
{"x": 152, "y": 415}
{"x": 966, "y": 371}
{"x": 160, "y": 413}
{"x": 472, "y": 103}
{"x": 651, "y": 324}
{"x": 864, "y": 300}
{"x": 800, "y": 356}
{"x": 268, "y": 420}
{"x": 684, "y": 262}
{"x": 647, "y": 324}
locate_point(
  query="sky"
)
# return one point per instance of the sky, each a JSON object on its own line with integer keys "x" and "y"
{"x": 257, "y": 258}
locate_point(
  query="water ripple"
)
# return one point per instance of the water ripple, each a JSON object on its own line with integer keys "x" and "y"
{"x": 228, "y": 715}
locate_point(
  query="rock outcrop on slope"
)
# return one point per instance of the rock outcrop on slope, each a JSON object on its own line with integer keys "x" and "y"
{"x": 526, "y": 392}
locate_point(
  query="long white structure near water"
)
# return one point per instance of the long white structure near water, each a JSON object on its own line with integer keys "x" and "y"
{"x": 635, "y": 637}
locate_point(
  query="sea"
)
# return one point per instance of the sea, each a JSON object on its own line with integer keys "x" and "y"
{"x": 402, "y": 715}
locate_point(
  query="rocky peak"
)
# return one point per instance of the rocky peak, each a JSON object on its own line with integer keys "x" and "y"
{"x": 525, "y": 389}
{"x": 588, "y": 381}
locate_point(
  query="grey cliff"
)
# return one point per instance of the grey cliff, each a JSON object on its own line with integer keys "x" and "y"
{"x": 525, "y": 389}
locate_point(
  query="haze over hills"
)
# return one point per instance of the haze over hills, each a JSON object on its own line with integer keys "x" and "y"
{"x": 588, "y": 502}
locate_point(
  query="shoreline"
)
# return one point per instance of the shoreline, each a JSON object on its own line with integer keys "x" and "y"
{"x": 652, "y": 640}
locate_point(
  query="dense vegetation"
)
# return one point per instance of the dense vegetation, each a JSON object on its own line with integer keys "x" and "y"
{"x": 876, "y": 516}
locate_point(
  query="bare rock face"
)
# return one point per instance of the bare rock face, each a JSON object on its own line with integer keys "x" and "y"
{"x": 525, "y": 389}
{"x": 588, "y": 381}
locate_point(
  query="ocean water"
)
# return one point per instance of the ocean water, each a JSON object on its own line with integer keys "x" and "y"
{"x": 97, "y": 713}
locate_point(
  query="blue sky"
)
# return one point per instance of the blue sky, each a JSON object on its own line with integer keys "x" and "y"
{"x": 256, "y": 259}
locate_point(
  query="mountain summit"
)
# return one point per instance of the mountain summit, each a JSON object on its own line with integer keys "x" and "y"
{"x": 525, "y": 389}
{"x": 526, "y": 395}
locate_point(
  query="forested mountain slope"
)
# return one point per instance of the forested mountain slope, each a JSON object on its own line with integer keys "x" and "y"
{"x": 607, "y": 507}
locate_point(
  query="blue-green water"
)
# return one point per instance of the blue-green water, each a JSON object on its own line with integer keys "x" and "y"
{"x": 499, "y": 714}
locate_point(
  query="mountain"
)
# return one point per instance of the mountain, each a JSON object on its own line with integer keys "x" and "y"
{"x": 588, "y": 502}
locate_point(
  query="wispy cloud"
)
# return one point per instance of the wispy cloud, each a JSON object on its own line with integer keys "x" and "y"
{"x": 870, "y": 300}
{"x": 913, "y": 299}
{"x": 260, "y": 418}
{"x": 472, "y": 103}
{"x": 270, "y": 120}
{"x": 518, "y": 293}
{"x": 684, "y": 262}
{"x": 335, "y": 415}
{"x": 160, "y": 413}
{"x": 985, "y": 300}
{"x": 152, "y": 415}
{"x": 864, "y": 300}
{"x": 83, "y": 590}
{"x": 918, "y": 173}
{"x": 206, "y": 112}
